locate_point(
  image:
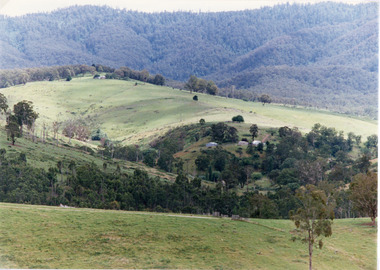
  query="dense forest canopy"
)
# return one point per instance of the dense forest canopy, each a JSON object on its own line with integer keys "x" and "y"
{"x": 322, "y": 55}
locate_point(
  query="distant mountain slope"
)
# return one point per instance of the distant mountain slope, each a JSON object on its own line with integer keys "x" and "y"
{"x": 322, "y": 45}
{"x": 337, "y": 88}
{"x": 227, "y": 47}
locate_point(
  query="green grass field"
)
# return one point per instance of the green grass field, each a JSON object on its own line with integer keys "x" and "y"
{"x": 53, "y": 237}
{"x": 135, "y": 113}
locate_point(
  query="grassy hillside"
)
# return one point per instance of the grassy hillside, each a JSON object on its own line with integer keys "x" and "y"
{"x": 131, "y": 112}
{"x": 52, "y": 237}
{"x": 47, "y": 155}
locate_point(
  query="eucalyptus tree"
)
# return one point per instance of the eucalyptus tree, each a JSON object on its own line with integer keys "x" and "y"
{"x": 313, "y": 219}
{"x": 363, "y": 194}
{"x": 25, "y": 114}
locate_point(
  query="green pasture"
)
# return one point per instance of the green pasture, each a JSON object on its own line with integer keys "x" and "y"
{"x": 53, "y": 237}
{"x": 135, "y": 112}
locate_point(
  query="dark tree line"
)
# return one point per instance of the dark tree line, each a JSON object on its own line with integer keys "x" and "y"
{"x": 90, "y": 186}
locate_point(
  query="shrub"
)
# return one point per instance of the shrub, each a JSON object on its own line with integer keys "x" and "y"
{"x": 256, "y": 176}
{"x": 238, "y": 118}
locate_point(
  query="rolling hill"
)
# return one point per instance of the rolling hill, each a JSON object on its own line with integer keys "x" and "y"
{"x": 136, "y": 112}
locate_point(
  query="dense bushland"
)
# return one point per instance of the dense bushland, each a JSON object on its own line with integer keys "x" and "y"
{"x": 322, "y": 55}
{"x": 320, "y": 157}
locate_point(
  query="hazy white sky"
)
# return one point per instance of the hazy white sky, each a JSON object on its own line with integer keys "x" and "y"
{"x": 20, "y": 7}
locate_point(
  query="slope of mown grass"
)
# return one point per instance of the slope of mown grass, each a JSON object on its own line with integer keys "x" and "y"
{"x": 52, "y": 237}
{"x": 132, "y": 113}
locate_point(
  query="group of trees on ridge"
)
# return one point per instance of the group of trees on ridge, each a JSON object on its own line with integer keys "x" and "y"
{"x": 200, "y": 85}
{"x": 22, "y": 76}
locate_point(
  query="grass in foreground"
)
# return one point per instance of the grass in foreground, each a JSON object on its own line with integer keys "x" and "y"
{"x": 52, "y": 237}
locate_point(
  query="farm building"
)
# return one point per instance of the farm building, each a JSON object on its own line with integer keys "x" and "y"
{"x": 256, "y": 143}
{"x": 211, "y": 144}
{"x": 242, "y": 143}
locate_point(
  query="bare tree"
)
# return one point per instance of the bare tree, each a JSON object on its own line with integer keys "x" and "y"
{"x": 82, "y": 132}
{"x": 76, "y": 128}
{"x": 69, "y": 129}
{"x": 56, "y": 126}
{"x": 44, "y": 132}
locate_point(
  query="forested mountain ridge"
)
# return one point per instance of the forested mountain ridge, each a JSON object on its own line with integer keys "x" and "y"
{"x": 320, "y": 55}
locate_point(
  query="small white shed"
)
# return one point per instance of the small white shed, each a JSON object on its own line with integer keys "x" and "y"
{"x": 242, "y": 143}
{"x": 211, "y": 144}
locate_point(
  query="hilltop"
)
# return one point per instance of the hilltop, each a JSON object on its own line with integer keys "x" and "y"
{"x": 137, "y": 112}
{"x": 322, "y": 55}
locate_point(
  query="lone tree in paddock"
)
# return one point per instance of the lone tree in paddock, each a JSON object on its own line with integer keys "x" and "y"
{"x": 313, "y": 219}
{"x": 238, "y": 118}
{"x": 265, "y": 99}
